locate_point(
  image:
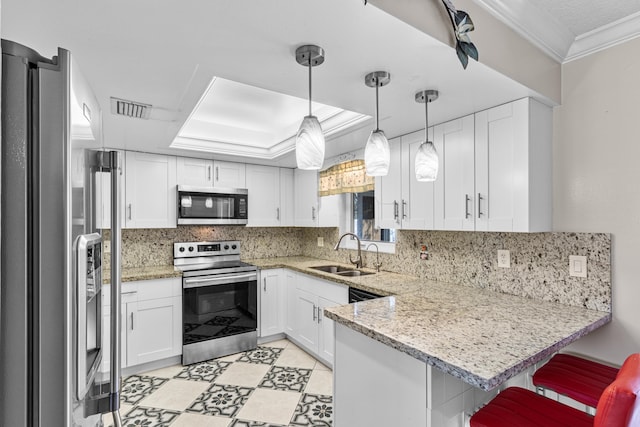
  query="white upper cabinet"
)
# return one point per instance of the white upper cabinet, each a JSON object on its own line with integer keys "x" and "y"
{"x": 513, "y": 167}
{"x": 306, "y": 198}
{"x": 416, "y": 206}
{"x": 229, "y": 174}
{"x": 195, "y": 172}
{"x": 150, "y": 190}
{"x": 287, "y": 206}
{"x": 103, "y": 197}
{"x": 210, "y": 173}
{"x": 263, "y": 183}
{"x": 388, "y": 191}
{"x": 454, "y": 192}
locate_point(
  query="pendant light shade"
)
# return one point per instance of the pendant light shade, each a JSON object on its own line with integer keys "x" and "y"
{"x": 310, "y": 139}
{"x": 377, "y": 154}
{"x": 427, "y": 162}
{"x": 310, "y": 144}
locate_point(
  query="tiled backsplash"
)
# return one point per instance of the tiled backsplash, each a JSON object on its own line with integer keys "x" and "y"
{"x": 539, "y": 261}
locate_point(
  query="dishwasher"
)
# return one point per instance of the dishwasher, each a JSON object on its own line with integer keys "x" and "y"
{"x": 357, "y": 295}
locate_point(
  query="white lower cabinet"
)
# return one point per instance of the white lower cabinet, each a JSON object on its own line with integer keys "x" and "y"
{"x": 151, "y": 324}
{"x": 310, "y": 328}
{"x": 272, "y": 302}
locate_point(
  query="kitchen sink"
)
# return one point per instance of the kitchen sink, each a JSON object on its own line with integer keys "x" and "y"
{"x": 354, "y": 273}
{"x": 333, "y": 269}
{"x": 341, "y": 271}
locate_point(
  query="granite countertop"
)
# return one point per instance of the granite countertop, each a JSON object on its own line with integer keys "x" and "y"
{"x": 131, "y": 274}
{"x": 480, "y": 336}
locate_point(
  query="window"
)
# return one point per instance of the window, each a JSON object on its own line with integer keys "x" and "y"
{"x": 363, "y": 224}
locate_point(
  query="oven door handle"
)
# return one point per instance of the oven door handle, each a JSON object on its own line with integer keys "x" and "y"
{"x": 217, "y": 280}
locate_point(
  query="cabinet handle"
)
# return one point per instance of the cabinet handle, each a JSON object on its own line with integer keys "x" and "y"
{"x": 319, "y": 315}
{"x": 479, "y": 199}
{"x": 404, "y": 209}
{"x": 278, "y": 214}
{"x": 313, "y": 213}
{"x": 129, "y": 210}
{"x": 395, "y": 210}
{"x": 467, "y": 199}
{"x": 209, "y": 173}
{"x": 314, "y": 313}
{"x": 131, "y": 315}
{"x": 217, "y": 173}
{"x": 264, "y": 280}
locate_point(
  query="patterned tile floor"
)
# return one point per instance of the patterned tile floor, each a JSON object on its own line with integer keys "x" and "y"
{"x": 275, "y": 385}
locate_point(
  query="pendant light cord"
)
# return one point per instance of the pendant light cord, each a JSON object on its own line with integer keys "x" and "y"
{"x": 426, "y": 119}
{"x": 310, "y": 67}
{"x": 377, "y": 114}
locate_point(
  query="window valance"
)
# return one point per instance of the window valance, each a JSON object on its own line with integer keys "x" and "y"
{"x": 347, "y": 177}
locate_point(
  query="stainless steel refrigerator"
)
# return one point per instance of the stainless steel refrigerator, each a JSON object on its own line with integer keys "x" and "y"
{"x": 51, "y": 254}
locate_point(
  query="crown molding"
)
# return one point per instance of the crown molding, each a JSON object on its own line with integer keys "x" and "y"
{"x": 605, "y": 37}
{"x": 534, "y": 24}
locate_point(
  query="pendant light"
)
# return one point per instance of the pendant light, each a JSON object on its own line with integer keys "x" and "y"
{"x": 426, "y": 167}
{"x": 310, "y": 139}
{"x": 377, "y": 155}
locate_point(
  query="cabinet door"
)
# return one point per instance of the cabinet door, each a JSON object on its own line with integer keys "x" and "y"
{"x": 287, "y": 209}
{"x": 513, "y": 167}
{"x": 455, "y": 187}
{"x": 290, "y": 278}
{"x": 196, "y": 172}
{"x": 229, "y": 174}
{"x": 416, "y": 208}
{"x": 263, "y": 183}
{"x": 326, "y": 333}
{"x": 306, "y": 198}
{"x": 154, "y": 330}
{"x": 106, "y": 338}
{"x": 103, "y": 198}
{"x": 151, "y": 190}
{"x": 331, "y": 210}
{"x": 306, "y": 320}
{"x": 272, "y": 303}
{"x": 388, "y": 192}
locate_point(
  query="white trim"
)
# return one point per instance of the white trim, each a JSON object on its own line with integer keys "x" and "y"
{"x": 537, "y": 26}
{"x": 605, "y": 37}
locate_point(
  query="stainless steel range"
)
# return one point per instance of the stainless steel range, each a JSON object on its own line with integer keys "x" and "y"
{"x": 219, "y": 300}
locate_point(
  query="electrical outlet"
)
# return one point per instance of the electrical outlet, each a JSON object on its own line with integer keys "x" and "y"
{"x": 320, "y": 241}
{"x": 106, "y": 246}
{"x": 577, "y": 266}
{"x": 504, "y": 258}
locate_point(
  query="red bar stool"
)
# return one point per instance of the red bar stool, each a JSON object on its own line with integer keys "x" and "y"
{"x": 580, "y": 379}
{"x": 619, "y": 406}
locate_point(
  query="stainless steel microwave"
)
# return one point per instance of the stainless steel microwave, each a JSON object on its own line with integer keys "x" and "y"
{"x": 212, "y": 206}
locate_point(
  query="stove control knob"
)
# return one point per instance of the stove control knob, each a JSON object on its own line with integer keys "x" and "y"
{"x": 226, "y": 247}
{"x": 234, "y": 247}
{"x": 181, "y": 249}
{"x": 190, "y": 248}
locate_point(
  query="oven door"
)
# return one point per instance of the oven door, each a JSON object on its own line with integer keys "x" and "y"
{"x": 219, "y": 315}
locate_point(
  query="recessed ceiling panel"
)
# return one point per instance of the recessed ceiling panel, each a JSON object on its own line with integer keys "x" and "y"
{"x": 232, "y": 113}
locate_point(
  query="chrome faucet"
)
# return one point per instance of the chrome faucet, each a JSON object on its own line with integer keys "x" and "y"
{"x": 358, "y": 261}
{"x": 376, "y": 264}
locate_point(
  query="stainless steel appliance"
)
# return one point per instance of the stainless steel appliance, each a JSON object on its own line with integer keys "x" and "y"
{"x": 214, "y": 206}
{"x": 219, "y": 299}
{"x": 51, "y": 253}
{"x": 357, "y": 295}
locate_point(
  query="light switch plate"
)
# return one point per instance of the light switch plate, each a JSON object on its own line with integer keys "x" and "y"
{"x": 106, "y": 246}
{"x": 504, "y": 258}
{"x": 577, "y": 266}
{"x": 320, "y": 241}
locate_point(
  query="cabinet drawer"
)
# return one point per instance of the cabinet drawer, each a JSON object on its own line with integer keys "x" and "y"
{"x": 159, "y": 288}
{"x": 323, "y": 288}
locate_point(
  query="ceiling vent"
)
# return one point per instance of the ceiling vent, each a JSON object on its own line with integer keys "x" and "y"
{"x": 137, "y": 110}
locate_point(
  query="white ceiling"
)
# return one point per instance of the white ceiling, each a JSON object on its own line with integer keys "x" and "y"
{"x": 570, "y": 29}
{"x": 165, "y": 53}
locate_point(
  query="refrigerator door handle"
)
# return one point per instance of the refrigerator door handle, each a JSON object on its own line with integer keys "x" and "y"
{"x": 115, "y": 162}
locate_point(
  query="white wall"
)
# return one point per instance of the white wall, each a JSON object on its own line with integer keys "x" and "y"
{"x": 596, "y": 158}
